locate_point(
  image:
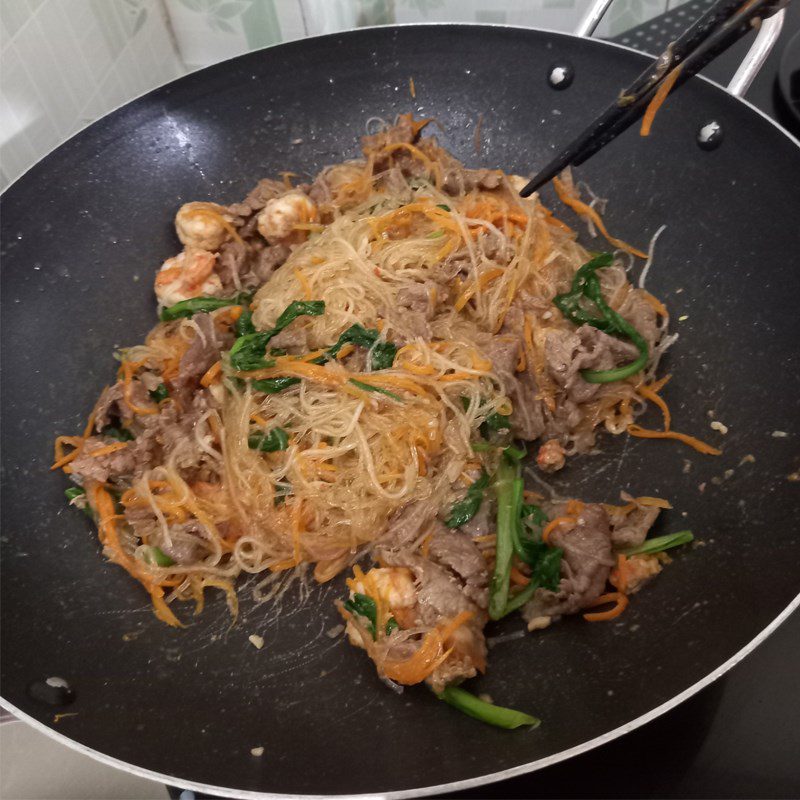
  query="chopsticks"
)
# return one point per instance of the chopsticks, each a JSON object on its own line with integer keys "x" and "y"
{"x": 713, "y": 33}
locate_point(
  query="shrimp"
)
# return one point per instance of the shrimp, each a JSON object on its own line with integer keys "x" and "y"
{"x": 278, "y": 219}
{"x": 202, "y": 225}
{"x": 551, "y": 457}
{"x": 189, "y": 274}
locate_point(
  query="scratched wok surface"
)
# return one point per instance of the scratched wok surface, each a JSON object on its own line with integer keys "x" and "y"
{"x": 84, "y": 231}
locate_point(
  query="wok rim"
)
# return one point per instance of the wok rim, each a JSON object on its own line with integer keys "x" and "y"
{"x": 480, "y": 780}
{"x": 467, "y": 783}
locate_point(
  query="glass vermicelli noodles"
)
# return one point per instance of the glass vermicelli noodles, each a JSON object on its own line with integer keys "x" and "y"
{"x": 346, "y": 377}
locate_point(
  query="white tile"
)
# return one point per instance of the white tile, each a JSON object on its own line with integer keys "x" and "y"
{"x": 5, "y": 36}
{"x": 44, "y": 136}
{"x": 14, "y": 13}
{"x": 19, "y": 92}
{"x": 112, "y": 92}
{"x": 65, "y": 48}
{"x": 16, "y": 155}
{"x": 47, "y": 74}
{"x": 128, "y": 76}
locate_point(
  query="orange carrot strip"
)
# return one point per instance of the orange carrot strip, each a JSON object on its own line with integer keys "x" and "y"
{"x": 658, "y": 99}
{"x": 585, "y": 210}
{"x": 621, "y": 603}
{"x": 697, "y": 444}
{"x": 212, "y": 374}
{"x": 553, "y": 524}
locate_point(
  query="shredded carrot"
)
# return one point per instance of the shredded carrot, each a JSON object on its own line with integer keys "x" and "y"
{"x": 450, "y": 627}
{"x": 212, "y": 374}
{"x": 618, "y": 598}
{"x": 553, "y": 524}
{"x": 658, "y": 99}
{"x": 484, "y": 279}
{"x": 411, "y": 88}
{"x": 619, "y": 575}
{"x": 434, "y": 166}
{"x": 657, "y": 305}
{"x": 697, "y": 444}
{"x": 489, "y": 537}
{"x": 653, "y": 502}
{"x": 345, "y": 351}
{"x": 103, "y": 504}
{"x": 59, "y": 459}
{"x": 109, "y": 448}
{"x": 518, "y": 578}
{"x": 426, "y": 545}
{"x": 303, "y": 281}
{"x": 128, "y": 368}
{"x": 585, "y": 210}
{"x": 650, "y": 394}
{"x": 574, "y": 508}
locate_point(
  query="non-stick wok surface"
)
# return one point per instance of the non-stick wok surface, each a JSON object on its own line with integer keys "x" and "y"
{"x": 85, "y": 229}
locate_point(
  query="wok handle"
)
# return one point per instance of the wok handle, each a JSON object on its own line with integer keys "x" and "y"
{"x": 756, "y": 56}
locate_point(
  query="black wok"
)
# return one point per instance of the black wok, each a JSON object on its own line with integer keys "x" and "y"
{"x": 83, "y": 232}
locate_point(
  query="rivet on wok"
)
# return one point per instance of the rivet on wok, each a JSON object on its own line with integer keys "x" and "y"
{"x": 561, "y": 75}
{"x": 710, "y": 135}
{"x": 53, "y": 691}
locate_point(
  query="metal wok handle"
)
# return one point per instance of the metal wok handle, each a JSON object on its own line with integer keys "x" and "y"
{"x": 748, "y": 69}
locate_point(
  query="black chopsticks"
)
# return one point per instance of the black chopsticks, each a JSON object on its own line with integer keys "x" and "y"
{"x": 713, "y": 33}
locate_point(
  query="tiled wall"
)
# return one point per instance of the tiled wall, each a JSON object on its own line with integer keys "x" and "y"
{"x": 64, "y": 63}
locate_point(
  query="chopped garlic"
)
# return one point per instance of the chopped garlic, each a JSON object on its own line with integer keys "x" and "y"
{"x": 779, "y": 434}
{"x": 256, "y": 640}
{"x": 257, "y": 751}
{"x": 719, "y": 426}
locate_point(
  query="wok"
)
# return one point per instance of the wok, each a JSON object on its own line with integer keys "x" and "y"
{"x": 83, "y": 233}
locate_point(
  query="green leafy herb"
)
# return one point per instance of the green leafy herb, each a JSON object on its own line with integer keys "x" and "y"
{"x": 518, "y": 532}
{"x": 73, "y": 493}
{"x": 271, "y": 442}
{"x": 516, "y": 453}
{"x": 391, "y": 626}
{"x": 494, "y": 423}
{"x": 244, "y": 325}
{"x": 586, "y": 286}
{"x": 155, "y": 555}
{"x": 159, "y": 393}
{"x": 508, "y": 487}
{"x": 464, "y": 510}
{"x": 120, "y": 434}
{"x": 298, "y": 308}
{"x": 273, "y": 385}
{"x": 281, "y": 493}
{"x": 660, "y": 543}
{"x": 489, "y": 713}
{"x": 443, "y": 206}
{"x": 249, "y": 350}
{"x": 367, "y": 387}
{"x": 545, "y": 574}
{"x": 196, "y": 305}
{"x": 365, "y": 607}
{"x": 483, "y": 447}
{"x": 435, "y": 234}
{"x": 382, "y": 353}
